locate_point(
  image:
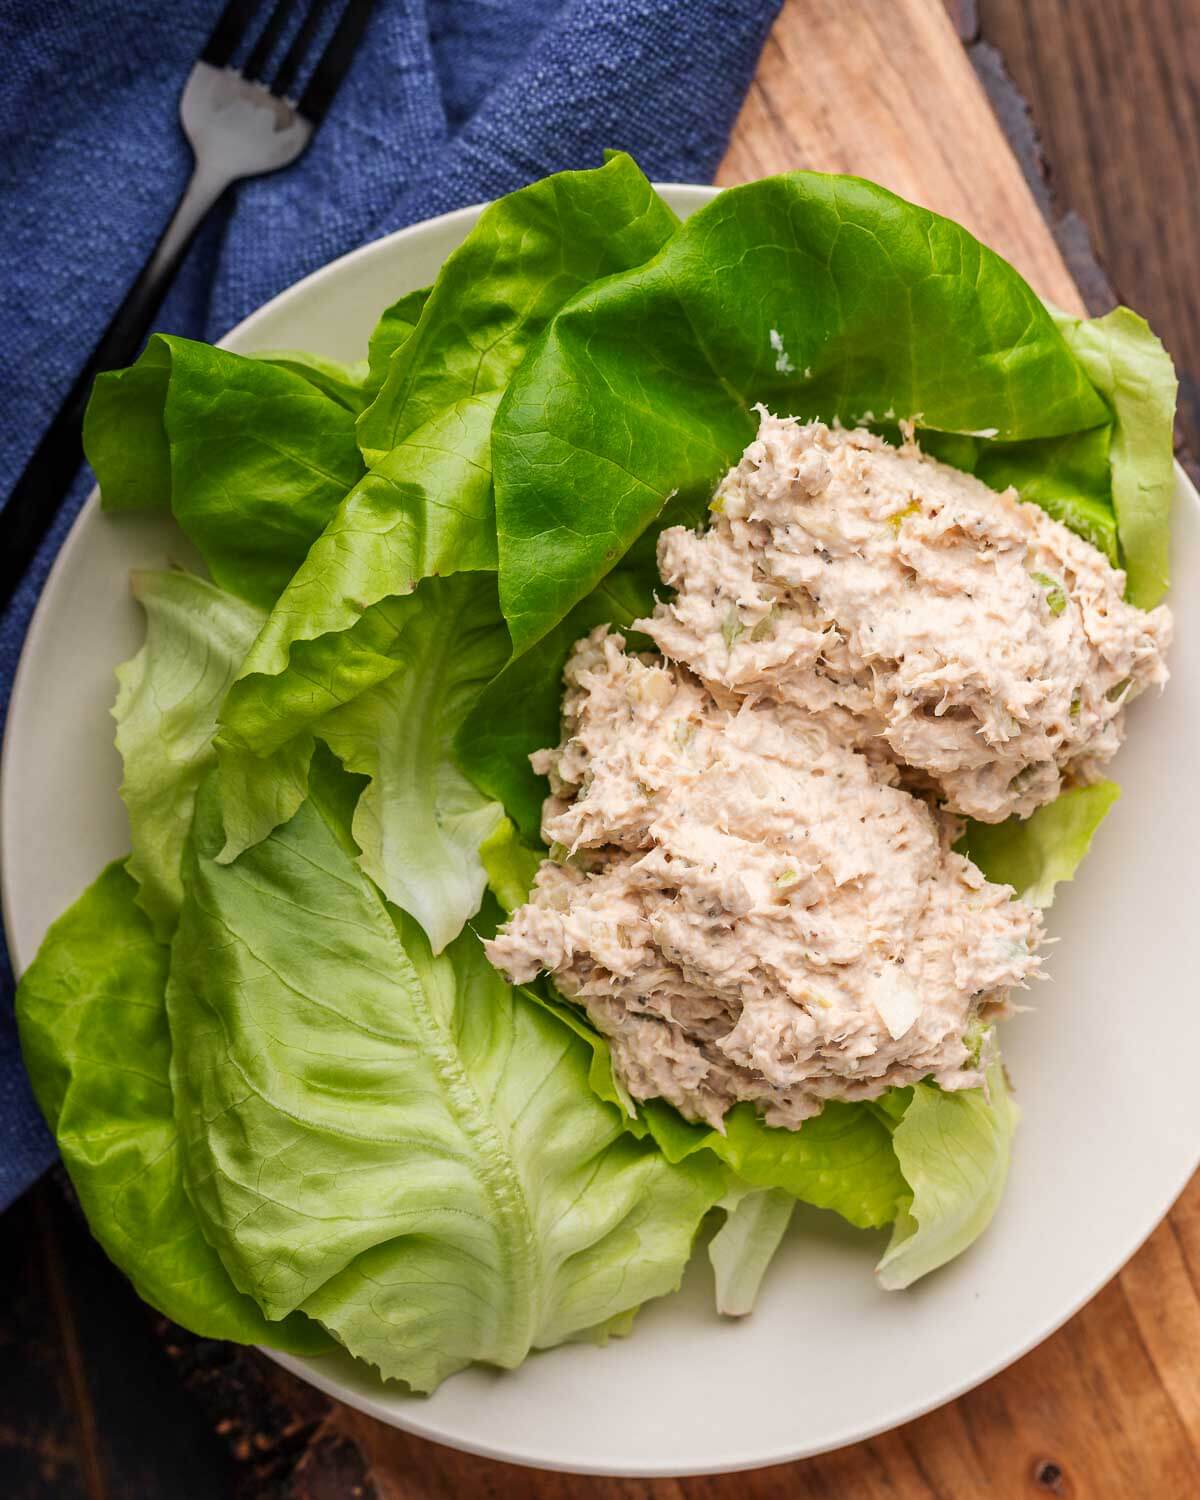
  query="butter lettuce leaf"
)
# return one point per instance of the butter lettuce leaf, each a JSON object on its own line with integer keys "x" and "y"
{"x": 1035, "y": 854}
{"x": 345, "y": 384}
{"x": 398, "y": 1144}
{"x": 427, "y": 505}
{"x": 166, "y": 713}
{"x": 259, "y": 792}
{"x": 251, "y": 457}
{"x": 953, "y": 1149}
{"x": 509, "y": 865}
{"x": 419, "y": 821}
{"x": 92, "y": 1015}
{"x": 424, "y": 509}
{"x": 320, "y": 1115}
{"x": 841, "y": 1159}
{"x": 168, "y": 698}
{"x": 931, "y": 1163}
{"x": 744, "y": 1246}
{"x": 817, "y": 295}
{"x": 394, "y": 328}
{"x": 1130, "y": 368}
{"x": 525, "y": 257}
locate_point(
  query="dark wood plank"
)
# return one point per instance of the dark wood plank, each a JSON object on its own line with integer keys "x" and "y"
{"x": 90, "y": 1405}
{"x": 43, "y": 1450}
{"x": 284, "y": 1436}
{"x": 1113, "y": 88}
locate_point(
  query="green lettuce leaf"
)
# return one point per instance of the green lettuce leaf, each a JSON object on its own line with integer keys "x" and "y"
{"x": 1069, "y": 477}
{"x": 841, "y": 1159}
{"x": 420, "y": 822}
{"x": 251, "y": 458}
{"x": 953, "y": 1149}
{"x": 744, "y": 1246}
{"x": 931, "y": 1163}
{"x": 345, "y": 384}
{"x": 370, "y": 1129}
{"x": 262, "y": 713}
{"x": 92, "y": 1016}
{"x": 259, "y": 792}
{"x": 1133, "y": 372}
{"x": 639, "y": 395}
{"x": 356, "y": 386}
{"x": 427, "y": 506}
{"x": 525, "y": 257}
{"x": 393, "y": 329}
{"x": 509, "y": 865}
{"x": 396, "y": 1143}
{"x": 166, "y": 713}
{"x": 823, "y": 295}
{"x": 1034, "y": 854}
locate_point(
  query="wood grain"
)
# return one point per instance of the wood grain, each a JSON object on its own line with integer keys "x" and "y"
{"x": 90, "y": 1407}
{"x": 42, "y": 1442}
{"x": 885, "y": 90}
{"x": 1113, "y": 87}
{"x": 1108, "y": 1409}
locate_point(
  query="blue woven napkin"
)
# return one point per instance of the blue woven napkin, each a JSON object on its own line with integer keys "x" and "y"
{"x": 448, "y": 102}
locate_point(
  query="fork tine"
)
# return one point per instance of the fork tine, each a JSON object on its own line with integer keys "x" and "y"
{"x": 301, "y": 42}
{"x": 228, "y": 32}
{"x": 333, "y": 62}
{"x": 256, "y": 63}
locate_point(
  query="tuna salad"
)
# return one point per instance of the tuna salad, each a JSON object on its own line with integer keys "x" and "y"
{"x": 956, "y": 630}
{"x": 752, "y": 887}
{"x": 750, "y": 908}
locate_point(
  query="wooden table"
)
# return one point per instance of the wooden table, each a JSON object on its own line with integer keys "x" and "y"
{"x": 1110, "y": 1406}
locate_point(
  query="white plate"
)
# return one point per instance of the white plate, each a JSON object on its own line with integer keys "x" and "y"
{"x": 1105, "y": 1069}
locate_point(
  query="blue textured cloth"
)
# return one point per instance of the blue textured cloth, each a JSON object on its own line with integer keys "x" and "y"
{"x": 448, "y": 102}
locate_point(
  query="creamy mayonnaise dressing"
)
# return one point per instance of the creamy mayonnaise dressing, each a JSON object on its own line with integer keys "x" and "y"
{"x": 752, "y": 888}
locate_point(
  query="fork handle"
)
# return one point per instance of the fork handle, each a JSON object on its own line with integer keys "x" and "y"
{"x": 35, "y": 499}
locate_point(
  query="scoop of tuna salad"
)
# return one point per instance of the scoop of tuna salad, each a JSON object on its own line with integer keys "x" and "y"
{"x": 752, "y": 887}
{"x": 953, "y": 629}
{"x": 750, "y": 908}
